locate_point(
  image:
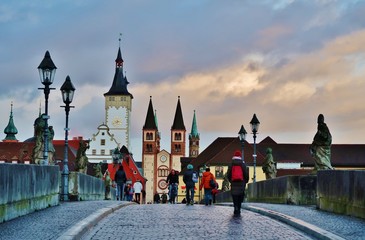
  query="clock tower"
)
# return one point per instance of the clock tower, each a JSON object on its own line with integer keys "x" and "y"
{"x": 118, "y": 105}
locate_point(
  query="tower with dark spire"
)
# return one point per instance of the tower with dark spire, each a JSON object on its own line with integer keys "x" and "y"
{"x": 118, "y": 104}
{"x": 150, "y": 149}
{"x": 194, "y": 138}
{"x": 10, "y": 129}
{"x": 178, "y": 138}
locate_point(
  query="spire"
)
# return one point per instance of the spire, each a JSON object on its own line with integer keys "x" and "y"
{"x": 178, "y": 120}
{"x": 120, "y": 82}
{"x": 194, "y": 128}
{"x": 119, "y": 61}
{"x": 150, "y": 118}
{"x": 10, "y": 130}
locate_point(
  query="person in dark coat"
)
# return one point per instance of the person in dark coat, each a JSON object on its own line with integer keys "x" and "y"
{"x": 189, "y": 184}
{"x": 120, "y": 178}
{"x": 238, "y": 187}
{"x": 172, "y": 181}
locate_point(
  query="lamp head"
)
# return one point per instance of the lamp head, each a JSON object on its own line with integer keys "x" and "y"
{"x": 242, "y": 134}
{"x": 47, "y": 70}
{"x": 255, "y": 123}
{"x": 67, "y": 90}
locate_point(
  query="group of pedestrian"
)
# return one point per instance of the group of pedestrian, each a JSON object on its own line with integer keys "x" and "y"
{"x": 237, "y": 175}
{"x": 124, "y": 191}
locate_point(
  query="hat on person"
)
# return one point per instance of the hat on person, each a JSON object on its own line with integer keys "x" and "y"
{"x": 190, "y": 166}
{"x": 237, "y": 155}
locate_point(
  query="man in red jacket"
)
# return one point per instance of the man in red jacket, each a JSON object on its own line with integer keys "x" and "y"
{"x": 207, "y": 176}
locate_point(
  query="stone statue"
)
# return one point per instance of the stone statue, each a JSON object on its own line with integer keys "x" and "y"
{"x": 37, "y": 155}
{"x": 320, "y": 148}
{"x": 269, "y": 167}
{"x": 97, "y": 169}
{"x": 225, "y": 183}
{"x": 81, "y": 158}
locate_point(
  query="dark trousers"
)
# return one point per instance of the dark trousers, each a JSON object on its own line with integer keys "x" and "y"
{"x": 138, "y": 197}
{"x": 237, "y": 202}
{"x": 107, "y": 192}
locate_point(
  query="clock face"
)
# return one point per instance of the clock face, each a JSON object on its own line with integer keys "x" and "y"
{"x": 163, "y": 158}
{"x": 162, "y": 184}
{"x": 117, "y": 121}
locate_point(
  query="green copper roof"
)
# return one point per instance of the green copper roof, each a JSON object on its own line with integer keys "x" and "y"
{"x": 194, "y": 128}
{"x": 10, "y": 130}
{"x": 156, "y": 119}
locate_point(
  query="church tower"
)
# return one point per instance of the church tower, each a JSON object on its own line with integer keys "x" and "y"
{"x": 178, "y": 138}
{"x": 118, "y": 105}
{"x": 150, "y": 149}
{"x": 194, "y": 138}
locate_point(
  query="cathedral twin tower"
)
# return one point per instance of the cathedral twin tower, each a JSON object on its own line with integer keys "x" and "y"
{"x": 156, "y": 163}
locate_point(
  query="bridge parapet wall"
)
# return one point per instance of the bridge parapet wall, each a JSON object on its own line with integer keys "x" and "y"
{"x": 342, "y": 191}
{"x": 26, "y": 188}
{"x": 298, "y": 190}
{"x": 85, "y": 187}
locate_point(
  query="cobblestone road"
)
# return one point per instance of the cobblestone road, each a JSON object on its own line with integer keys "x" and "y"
{"x": 162, "y": 221}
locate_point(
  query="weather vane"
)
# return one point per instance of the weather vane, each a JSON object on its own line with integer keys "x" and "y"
{"x": 120, "y": 38}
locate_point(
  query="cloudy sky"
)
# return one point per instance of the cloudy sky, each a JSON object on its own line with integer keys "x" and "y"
{"x": 285, "y": 60}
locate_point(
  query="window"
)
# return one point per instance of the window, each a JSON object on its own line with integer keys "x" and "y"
{"x": 219, "y": 172}
{"x": 149, "y": 136}
{"x": 94, "y": 152}
{"x": 177, "y": 148}
{"x": 177, "y": 136}
{"x": 163, "y": 171}
{"x": 102, "y": 152}
{"x": 102, "y": 142}
{"x": 149, "y": 148}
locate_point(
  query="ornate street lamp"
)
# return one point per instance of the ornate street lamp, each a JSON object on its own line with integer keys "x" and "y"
{"x": 67, "y": 90}
{"x": 116, "y": 156}
{"x": 47, "y": 70}
{"x": 242, "y": 136}
{"x": 254, "y": 127}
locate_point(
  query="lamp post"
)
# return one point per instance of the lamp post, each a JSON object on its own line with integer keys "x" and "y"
{"x": 116, "y": 156}
{"x": 254, "y": 127}
{"x": 67, "y": 90}
{"x": 242, "y": 136}
{"x": 46, "y": 70}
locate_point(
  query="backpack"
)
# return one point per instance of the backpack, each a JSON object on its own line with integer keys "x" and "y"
{"x": 195, "y": 177}
{"x": 237, "y": 173}
{"x": 212, "y": 183}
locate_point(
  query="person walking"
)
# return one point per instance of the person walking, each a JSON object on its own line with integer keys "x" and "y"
{"x": 137, "y": 186}
{"x": 120, "y": 178}
{"x": 238, "y": 176}
{"x": 172, "y": 181}
{"x": 189, "y": 185}
{"x": 207, "y": 178}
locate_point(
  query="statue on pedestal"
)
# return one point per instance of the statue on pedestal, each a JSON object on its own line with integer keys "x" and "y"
{"x": 269, "y": 167}
{"x": 97, "y": 169}
{"x": 320, "y": 148}
{"x": 81, "y": 158}
{"x": 37, "y": 155}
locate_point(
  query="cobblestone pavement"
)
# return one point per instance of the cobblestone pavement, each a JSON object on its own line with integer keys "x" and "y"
{"x": 52, "y": 222}
{"x": 346, "y": 227}
{"x": 70, "y": 220}
{"x": 178, "y": 221}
